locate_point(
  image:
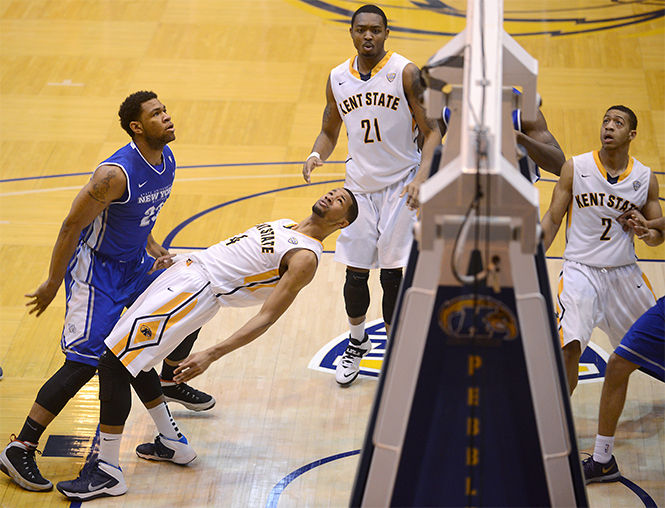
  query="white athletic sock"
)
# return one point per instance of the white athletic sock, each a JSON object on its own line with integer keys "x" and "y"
{"x": 357, "y": 331}
{"x": 109, "y": 448}
{"x": 602, "y": 451}
{"x": 165, "y": 423}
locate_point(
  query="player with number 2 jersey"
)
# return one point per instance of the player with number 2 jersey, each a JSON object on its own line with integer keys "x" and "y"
{"x": 600, "y": 284}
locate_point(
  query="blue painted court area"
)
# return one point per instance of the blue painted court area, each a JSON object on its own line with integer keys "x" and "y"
{"x": 66, "y": 446}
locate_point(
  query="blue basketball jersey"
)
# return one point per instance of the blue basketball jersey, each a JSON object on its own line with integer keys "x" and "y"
{"x": 526, "y": 165}
{"x": 121, "y": 230}
{"x": 644, "y": 343}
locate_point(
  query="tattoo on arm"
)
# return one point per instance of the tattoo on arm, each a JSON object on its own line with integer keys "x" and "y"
{"x": 326, "y": 114}
{"x": 418, "y": 95}
{"x": 417, "y": 86}
{"x": 101, "y": 189}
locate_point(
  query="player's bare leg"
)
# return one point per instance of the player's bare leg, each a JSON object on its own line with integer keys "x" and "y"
{"x": 602, "y": 466}
{"x": 613, "y": 396}
{"x": 571, "y": 357}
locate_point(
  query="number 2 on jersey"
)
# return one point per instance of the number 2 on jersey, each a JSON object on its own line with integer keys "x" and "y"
{"x": 608, "y": 224}
{"x": 365, "y": 124}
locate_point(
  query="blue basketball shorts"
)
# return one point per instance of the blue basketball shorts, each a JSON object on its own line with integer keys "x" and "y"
{"x": 98, "y": 289}
{"x": 644, "y": 343}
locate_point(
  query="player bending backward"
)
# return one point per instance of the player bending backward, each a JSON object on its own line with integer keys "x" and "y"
{"x": 268, "y": 263}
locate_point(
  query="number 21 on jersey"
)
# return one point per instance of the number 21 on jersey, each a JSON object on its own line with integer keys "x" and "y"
{"x": 370, "y": 136}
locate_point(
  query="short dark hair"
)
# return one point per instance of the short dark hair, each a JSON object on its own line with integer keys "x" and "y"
{"x": 632, "y": 118}
{"x": 374, "y": 10}
{"x": 130, "y": 109}
{"x": 352, "y": 212}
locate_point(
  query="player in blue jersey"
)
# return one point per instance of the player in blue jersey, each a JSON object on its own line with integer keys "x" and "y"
{"x": 106, "y": 255}
{"x": 643, "y": 347}
{"x": 537, "y": 147}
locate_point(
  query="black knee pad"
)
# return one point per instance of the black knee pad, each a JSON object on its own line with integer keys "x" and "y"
{"x": 115, "y": 394}
{"x": 184, "y": 348}
{"x": 63, "y": 385}
{"x": 356, "y": 293}
{"x": 147, "y": 385}
{"x": 390, "y": 281}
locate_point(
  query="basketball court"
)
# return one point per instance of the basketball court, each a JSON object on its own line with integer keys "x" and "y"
{"x": 244, "y": 83}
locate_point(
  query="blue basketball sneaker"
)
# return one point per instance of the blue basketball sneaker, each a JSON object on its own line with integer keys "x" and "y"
{"x": 177, "y": 451}
{"x": 96, "y": 479}
{"x": 599, "y": 472}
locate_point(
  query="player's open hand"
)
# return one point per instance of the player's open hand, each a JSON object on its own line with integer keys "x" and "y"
{"x": 162, "y": 262}
{"x": 411, "y": 190}
{"x": 309, "y": 166}
{"x": 192, "y": 366}
{"x": 41, "y": 298}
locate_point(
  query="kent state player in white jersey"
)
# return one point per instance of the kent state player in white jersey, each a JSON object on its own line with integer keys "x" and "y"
{"x": 377, "y": 94}
{"x": 105, "y": 254}
{"x": 600, "y": 283}
{"x": 269, "y": 263}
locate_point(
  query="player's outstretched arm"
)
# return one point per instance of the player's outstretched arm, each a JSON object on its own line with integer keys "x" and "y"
{"x": 414, "y": 91}
{"x": 561, "y": 196}
{"x": 107, "y": 184}
{"x": 540, "y": 144}
{"x": 301, "y": 267}
{"x": 327, "y": 138}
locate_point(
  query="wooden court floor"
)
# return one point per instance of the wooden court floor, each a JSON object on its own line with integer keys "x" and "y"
{"x": 244, "y": 82}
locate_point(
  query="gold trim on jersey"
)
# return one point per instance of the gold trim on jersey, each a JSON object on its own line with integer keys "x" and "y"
{"x": 603, "y": 171}
{"x": 291, "y": 226}
{"x": 558, "y": 309}
{"x": 646, "y": 280}
{"x": 375, "y": 70}
{"x": 569, "y": 219}
{"x": 262, "y": 276}
{"x": 262, "y": 285}
{"x": 251, "y": 283}
{"x": 261, "y": 280}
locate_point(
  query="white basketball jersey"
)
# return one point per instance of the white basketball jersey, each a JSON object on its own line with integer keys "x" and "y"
{"x": 244, "y": 269}
{"x": 381, "y": 129}
{"x": 593, "y": 236}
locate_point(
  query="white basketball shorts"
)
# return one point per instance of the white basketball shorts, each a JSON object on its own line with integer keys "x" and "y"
{"x": 177, "y": 303}
{"x": 382, "y": 234}
{"x": 608, "y": 298}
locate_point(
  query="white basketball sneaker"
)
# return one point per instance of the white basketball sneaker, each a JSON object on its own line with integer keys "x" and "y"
{"x": 177, "y": 451}
{"x": 349, "y": 365}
